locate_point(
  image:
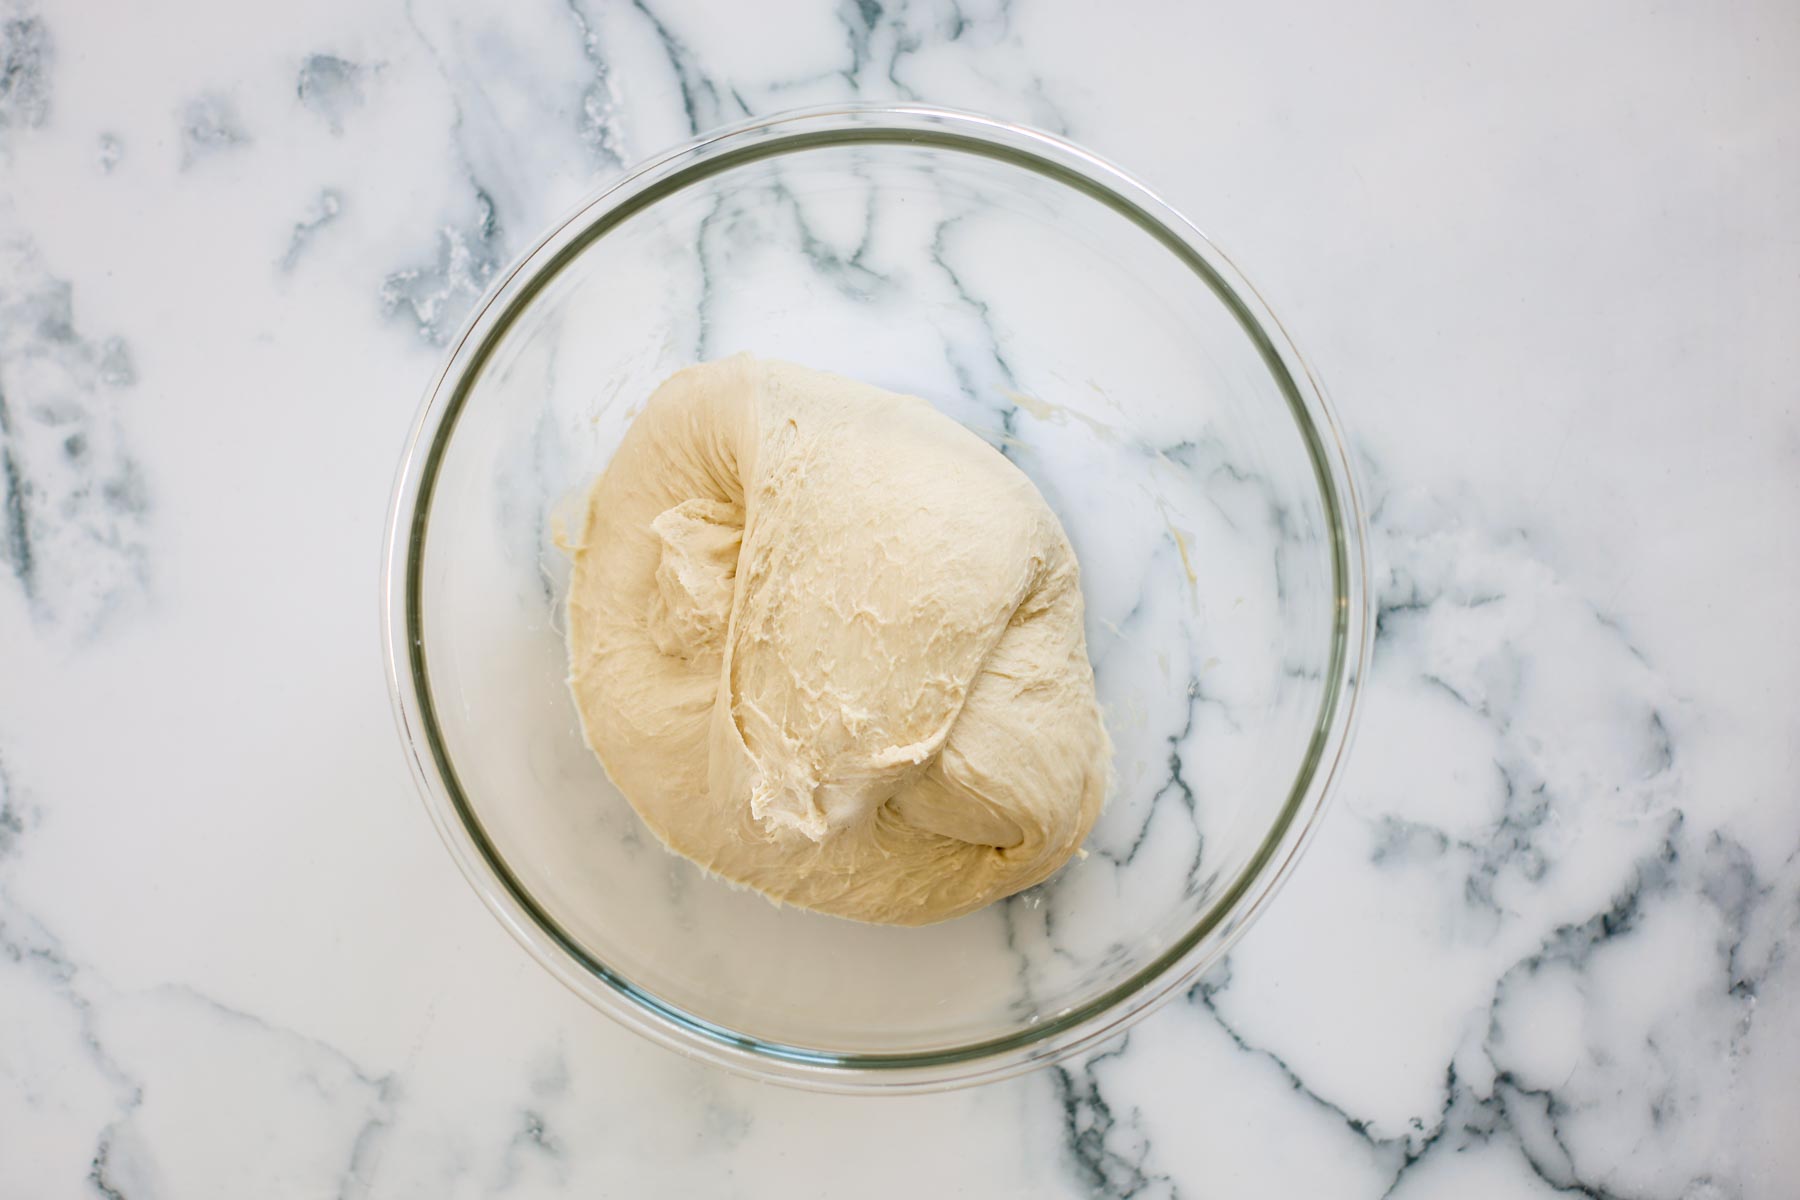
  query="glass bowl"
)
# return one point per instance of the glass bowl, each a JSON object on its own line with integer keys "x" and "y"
{"x": 1055, "y": 306}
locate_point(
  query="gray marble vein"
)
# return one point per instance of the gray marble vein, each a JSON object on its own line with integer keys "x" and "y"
{"x": 437, "y": 294}
{"x": 116, "y": 1041}
{"x": 210, "y": 126}
{"x": 702, "y": 104}
{"x": 75, "y": 513}
{"x": 598, "y": 124}
{"x": 25, "y": 62}
{"x": 1107, "y": 1151}
{"x": 323, "y": 210}
{"x": 331, "y": 87}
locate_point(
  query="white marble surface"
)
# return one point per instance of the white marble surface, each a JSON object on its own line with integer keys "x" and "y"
{"x": 1548, "y": 940}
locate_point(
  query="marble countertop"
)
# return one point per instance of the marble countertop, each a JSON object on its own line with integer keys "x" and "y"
{"x": 1548, "y": 939}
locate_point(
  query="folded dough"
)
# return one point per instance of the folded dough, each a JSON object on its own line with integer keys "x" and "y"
{"x": 829, "y": 645}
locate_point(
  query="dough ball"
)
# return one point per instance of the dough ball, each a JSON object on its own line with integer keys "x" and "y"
{"x": 829, "y": 645}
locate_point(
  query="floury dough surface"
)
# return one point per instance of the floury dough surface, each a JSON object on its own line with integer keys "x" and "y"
{"x": 829, "y": 644}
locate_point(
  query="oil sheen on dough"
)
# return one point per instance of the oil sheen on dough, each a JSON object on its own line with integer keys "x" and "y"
{"x": 829, "y": 645}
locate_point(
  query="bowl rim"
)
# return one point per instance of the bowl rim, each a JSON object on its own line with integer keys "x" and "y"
{"x": 408, "y": 677}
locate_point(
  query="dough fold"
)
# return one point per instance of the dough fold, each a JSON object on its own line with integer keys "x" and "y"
{"x": 829, "y": 645}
